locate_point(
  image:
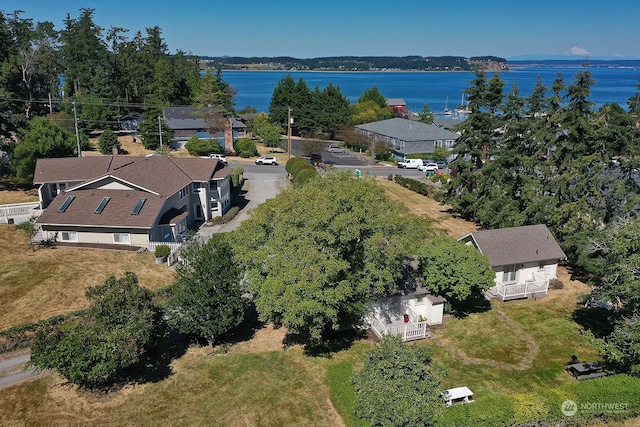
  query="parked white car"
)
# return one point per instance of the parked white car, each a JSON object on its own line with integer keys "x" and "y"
{"x": 219, "y": 157}
{"x": 266, "y": 161}
{"x": 429, "y": 167}
{"x": 335, "y": 149}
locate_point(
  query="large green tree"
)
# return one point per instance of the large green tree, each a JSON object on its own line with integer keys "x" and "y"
{"x": 453, "y": 269}
{"x": 316, "y": 254}
{"x": 207, "y": 297}
{"x": 399, "y": 386}
{"x": 97, "y": 349}
{"x": 43, "y": 139}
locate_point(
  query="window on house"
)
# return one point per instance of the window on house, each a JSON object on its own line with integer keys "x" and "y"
{"x": 123, "y": 238}
{"x": 184, "y": 192}
{"x": 509, "y": 274}
{"x": 213, "y": 185}
{"x": 196, "y": 187}
{"x": 69, "y": 236}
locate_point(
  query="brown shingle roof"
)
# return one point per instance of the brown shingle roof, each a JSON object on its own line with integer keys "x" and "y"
{"x": 116, "y": 213}
{"x": 516, "y": 245}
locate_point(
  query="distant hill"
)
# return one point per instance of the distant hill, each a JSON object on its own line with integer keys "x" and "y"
{"x": 357, "y": 63}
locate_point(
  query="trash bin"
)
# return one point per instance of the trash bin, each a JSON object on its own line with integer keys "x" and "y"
{"x": 406, "y": 318}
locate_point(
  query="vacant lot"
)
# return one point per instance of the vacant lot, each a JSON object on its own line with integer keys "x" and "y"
{"x": 37, "y": 284}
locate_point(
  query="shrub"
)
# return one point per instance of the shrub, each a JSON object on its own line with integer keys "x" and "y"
{"x": 294, "y": 161}
{"x": 246, "y": 148}
{"x": 236, "y": 176}
{"x": 202, "y": 147}
{"x": 162, "y": 251}
{"x": 107, "y": 141}
{"x": 556, "y": 284}
{"x": 304, "y": 175}
{"x": 413, "y": 185}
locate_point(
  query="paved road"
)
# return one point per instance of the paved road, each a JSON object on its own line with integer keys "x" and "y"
{"x": 13, "y": 369}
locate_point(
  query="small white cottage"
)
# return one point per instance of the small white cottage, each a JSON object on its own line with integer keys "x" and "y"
{"x": 409, "y": 312}
{"x": 523, "y": 258}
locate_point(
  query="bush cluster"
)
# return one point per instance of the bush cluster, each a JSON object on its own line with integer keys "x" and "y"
{"x": 203, "y": 147}
{"x": 228, "y": 216}
{"x": 300, "y": 169}
{"x": 245, "y": 148}
{"x": 413, "y": 185}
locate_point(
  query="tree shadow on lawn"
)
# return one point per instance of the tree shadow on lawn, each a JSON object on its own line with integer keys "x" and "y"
{"x": 473, "y": 304}
{"x": 155, "y": 365}
{"x": 332, "y": 342}
{"x": 594, "y": 319}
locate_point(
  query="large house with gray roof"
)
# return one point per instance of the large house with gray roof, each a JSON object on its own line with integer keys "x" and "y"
{"x": 523, "y": 258}
{"x": 128, "y": 200}
{"x": 405, "y": 137}
{"x": 187, "y": 122}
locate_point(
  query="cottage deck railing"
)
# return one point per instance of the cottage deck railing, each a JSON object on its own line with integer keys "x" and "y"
{"x": 538, "y": 285}
{"x": 408, "y": 331}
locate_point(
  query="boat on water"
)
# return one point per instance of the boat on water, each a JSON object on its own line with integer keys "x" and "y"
{"x": 447, "y": 111}
{"x": 464, "y": 107}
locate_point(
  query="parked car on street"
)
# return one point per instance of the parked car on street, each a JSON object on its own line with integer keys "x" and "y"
{"x": 220, "y": 157}
{"x": 441, "y": 165}
{"x": 429, "y": 167}
{"x": 335, "y": 149}
{"x": 266, "y": 161}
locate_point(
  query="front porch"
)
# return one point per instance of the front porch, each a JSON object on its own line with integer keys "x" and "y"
{"x": 410, "y": 330}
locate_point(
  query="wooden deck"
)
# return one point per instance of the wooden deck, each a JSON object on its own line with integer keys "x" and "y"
{"x": 409, "y": 331}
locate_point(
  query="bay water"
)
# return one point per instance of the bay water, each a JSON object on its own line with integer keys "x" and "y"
{"x": 439, "y": 90}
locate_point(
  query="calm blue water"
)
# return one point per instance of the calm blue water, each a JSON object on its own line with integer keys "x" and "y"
{"x": 437, "y": 89}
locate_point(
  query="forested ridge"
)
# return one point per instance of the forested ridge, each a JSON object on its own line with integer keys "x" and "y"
{"x": 359, "y": 63}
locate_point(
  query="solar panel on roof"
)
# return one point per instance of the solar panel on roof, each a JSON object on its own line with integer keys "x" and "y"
{"x": 138, "y": 206}
{"x": 66, "y": 204}
{"x": 102, "y": 205}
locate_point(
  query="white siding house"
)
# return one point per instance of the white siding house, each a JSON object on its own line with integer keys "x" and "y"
{"x": 523, "y": 258}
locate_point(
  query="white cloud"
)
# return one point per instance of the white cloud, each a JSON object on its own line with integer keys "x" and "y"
{"x": 575, "y": 50}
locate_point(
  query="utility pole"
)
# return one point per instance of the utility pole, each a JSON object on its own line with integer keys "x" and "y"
{"x": 75, "y": 121}
{"x": 289, "y": 123}
{"x": 160, "y": 131}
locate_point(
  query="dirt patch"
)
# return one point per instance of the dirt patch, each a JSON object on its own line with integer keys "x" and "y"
{"x": 268, "y": 338}
{"x": 421, "y": 205}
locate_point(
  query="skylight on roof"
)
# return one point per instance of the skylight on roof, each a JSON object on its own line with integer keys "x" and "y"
{"x": 66, "y": 204}
{"x": 138, "y": 206}
{"x": 102, "y": 205}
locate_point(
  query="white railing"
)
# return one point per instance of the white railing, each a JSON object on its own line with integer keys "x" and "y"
{"x": 413, "y": 316}
{"x": 408, "y": 331}
{"x": 18, "y": 212}
{"x": 524, "y": 290}
{"x": 175, "y": 246}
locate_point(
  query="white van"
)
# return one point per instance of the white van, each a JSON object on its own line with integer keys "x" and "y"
{"x": 410, "y": 163}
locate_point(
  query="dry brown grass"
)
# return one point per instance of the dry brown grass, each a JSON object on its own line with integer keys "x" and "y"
{"x": 421, "y": 205}
{"x": 18, "y": 196}
{"x": 35, "y": 285}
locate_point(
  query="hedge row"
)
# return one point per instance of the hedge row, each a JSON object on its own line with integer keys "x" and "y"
{"x": 413, "y": 185}
{"x": 300, "y": 169}
{"x": 20, "y": 336}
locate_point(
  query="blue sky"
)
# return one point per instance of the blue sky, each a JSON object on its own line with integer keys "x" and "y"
{"x": 599, "y": 29}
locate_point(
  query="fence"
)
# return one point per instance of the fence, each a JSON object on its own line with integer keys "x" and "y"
{"x": 175, "y": 247}
{"x": 18, "y": 212}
